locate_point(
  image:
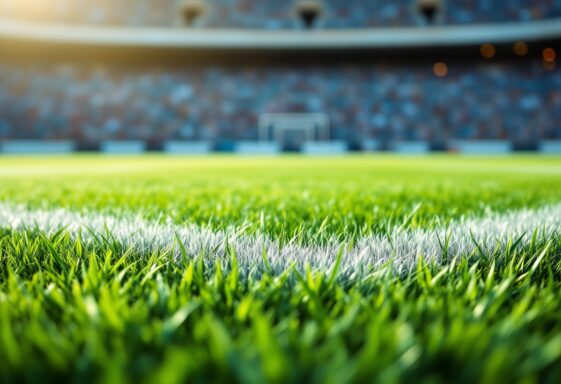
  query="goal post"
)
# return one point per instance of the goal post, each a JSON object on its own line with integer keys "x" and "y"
{"x": 275, "y": 126}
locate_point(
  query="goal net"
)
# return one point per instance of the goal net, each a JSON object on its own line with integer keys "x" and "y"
{"x": 289, "y": 129}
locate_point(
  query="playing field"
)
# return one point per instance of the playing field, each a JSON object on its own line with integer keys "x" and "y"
{"x": 291, "y": 269}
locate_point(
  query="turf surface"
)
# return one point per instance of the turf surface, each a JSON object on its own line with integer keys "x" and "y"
{"x": 78, "y": 310}
{"x": 287, "y": 197}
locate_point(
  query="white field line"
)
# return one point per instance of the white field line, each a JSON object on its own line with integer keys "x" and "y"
{"x": 402, "y": 247}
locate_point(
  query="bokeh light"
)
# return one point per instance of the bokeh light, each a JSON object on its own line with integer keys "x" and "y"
{"x": 520, "y": 48}
{"x": 549, "y": 55}
{"x": 488, "y": 51}
{"x": 440, "y": 69}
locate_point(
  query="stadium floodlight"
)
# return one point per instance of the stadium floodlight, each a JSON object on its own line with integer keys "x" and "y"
{"x": 191, "y": 11}
{"x": 309, "y": 12}
{"x": 429, "y": 9}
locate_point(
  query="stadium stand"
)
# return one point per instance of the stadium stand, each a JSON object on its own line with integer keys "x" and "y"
{"x": 275, "y": 15}
{"x": 383, "y": 102}
{"x": 492, "y": 102}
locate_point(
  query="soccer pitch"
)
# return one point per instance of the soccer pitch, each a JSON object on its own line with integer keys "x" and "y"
{"x": 289, "y": 269}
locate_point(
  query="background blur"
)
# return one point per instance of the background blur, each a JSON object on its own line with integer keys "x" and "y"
{"x": 263, "y": 76}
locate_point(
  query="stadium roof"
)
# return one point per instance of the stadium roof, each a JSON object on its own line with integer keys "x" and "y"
{"x": 375, "y": 38}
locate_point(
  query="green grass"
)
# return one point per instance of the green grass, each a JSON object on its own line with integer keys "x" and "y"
{"x": 77, "y": 311}
{"x": 345, "y": 197}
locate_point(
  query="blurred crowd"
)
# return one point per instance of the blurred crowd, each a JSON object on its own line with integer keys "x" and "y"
{"x": 275, "y": 14}
{"x": 516, "y": 101}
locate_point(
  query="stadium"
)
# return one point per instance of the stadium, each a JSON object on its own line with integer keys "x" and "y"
{"x": 280, "y": 191}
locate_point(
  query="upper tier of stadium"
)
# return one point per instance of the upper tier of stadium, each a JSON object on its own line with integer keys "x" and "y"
{"x": 278, "y": 15}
